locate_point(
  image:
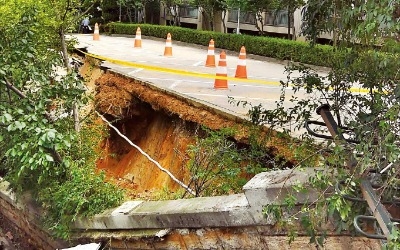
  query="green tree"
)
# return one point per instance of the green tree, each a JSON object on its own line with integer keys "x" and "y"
{"x": 369, "y": 60}
{"x": 229, "y": 5}
{"x": 133, "y": 11}
{"x": 39, "y": 147}
{"x": 209, "y": 9}
{"x": 291, "y": 6}
{"x": 259, "y": 8}
{"x": 111, "y": 11}
{"x": 61, "y": 17}
{"x": 172, "y": 8}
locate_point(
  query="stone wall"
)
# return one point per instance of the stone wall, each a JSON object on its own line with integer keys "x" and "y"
{"x": 243, "y": 238}
{"x": 22, "y": 217}
{"x": 223, "y": 222}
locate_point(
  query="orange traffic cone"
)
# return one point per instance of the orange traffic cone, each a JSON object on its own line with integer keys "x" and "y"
{"x": 138, "y": 38}
{"x": 168, "y": 46}
{"x": 96, "y": 34}
{"x": 210, "y": 55}
{"x": 222, "y": 70}
{"x": 241, "y": 71}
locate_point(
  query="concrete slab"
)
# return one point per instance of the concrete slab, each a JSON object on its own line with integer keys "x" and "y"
{"x": 273, "y": 187}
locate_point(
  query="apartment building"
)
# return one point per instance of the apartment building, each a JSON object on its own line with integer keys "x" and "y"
{"x": 275, "y": 23}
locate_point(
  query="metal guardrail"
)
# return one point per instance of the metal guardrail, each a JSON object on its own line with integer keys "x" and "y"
{"x": 378, "y": 210}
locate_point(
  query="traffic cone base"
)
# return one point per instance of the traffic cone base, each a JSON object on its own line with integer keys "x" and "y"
{"x": 222, "y": 70}
{"x": 168, "y": 46}
{"x": 210, "y": 62}
{"x": 96, "y": 33}
{"x": 138, "y": 38}
{"x": 241, "y": 70}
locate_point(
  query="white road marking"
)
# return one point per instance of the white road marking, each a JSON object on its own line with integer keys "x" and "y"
{"x": 174, "y": 84}
{"x": 236, "y": 97}
{"x": 135, "y": 71}
{"x": 259, "y": 86}
{"x": 171, "y": 79}
{"x": 265, "y": 77}
{"x": 198, "y": 63}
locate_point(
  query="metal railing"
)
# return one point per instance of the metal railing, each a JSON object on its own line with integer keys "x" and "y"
{"x": 377, "y": 209}
{"x": 278, "y": 18}
{"x": 245, "y": 17}
{"x": 188, "y": 12}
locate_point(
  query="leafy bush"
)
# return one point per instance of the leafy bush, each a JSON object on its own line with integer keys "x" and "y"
{"x": 214, "y": 164}
{"x": 40, "y": 151}
{"x": 321, "y": 55}
{"x": 82, "y": 193}
{"x": 220, "y": 165}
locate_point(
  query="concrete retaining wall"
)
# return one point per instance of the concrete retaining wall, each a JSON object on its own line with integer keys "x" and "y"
{"x": 220, "y": 211}
{"x": 223, "y": 222}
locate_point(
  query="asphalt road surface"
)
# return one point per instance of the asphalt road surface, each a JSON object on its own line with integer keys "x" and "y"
{"x": 264, "y": 74}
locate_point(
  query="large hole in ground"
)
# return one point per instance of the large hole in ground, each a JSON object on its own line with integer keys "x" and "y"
{"x": 162, "y": 125}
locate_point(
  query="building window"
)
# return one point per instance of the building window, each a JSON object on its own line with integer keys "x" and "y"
{"x": 277, "y": 18}
{"x": 188, "y": 12}
{"x": 245, "y": 17}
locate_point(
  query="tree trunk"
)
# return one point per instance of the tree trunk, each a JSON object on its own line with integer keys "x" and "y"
{"x": 176, "y": 17}
{"x": 223, "y": 20}
{"x": 206, "y": 23}
{"x": 120, "y": 11}
{"x": 64, "y": 49}
{"x": 289, "y": 23}
{"x": 144, "y": 14}
{"x": 75, "y": 110}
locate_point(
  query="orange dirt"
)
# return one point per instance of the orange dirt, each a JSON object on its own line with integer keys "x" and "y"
{"x": 146, "y": 123}
{"x": 160, "y": 123}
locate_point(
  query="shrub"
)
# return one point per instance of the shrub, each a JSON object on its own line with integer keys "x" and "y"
{"x": 282, "y": 49}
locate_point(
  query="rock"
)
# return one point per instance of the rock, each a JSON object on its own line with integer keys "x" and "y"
{"x": 130, "y": 177}
{"x": 9, "y": 235}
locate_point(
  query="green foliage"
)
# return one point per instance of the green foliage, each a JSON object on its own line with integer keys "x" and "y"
{"x": 394, "y": 241}
{"x": 40, "y": 151}
{"x": 317, "y": 17}
{"x": 110, "y": 10}
{"x": 167, "y": 194}
{"x": 283, "y": 49}
{"x": 368, "y": 118}
{"x": 208, "y": 9}
{"x": 220, "y": 165}
{"x": 214, "y": 164}
{"x": 82, "y": 193}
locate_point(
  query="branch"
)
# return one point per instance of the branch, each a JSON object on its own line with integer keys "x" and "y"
{"x": 85, "y": 12}
{"x": 16, "y": 91}
{"x": 66, "y": 11}
{"x": 53, "y": 152}
{"x": 147, "y": 156}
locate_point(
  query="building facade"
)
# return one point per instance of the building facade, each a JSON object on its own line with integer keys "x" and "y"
{"x": 274, "y": 23}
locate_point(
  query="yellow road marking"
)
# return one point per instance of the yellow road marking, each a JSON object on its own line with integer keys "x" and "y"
{"x": 193, "y": 74}
{"x": 177, "y": 71}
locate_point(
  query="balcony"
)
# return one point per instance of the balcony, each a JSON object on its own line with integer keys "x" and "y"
{"x": 277, "y": 18}
{"x": 245, "y": 17}
{"x": 189, "y": 12}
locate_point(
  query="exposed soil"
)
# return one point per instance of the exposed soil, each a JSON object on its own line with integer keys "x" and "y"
{"x": 11, "y": 238}
{"x": 160, "y": 123}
